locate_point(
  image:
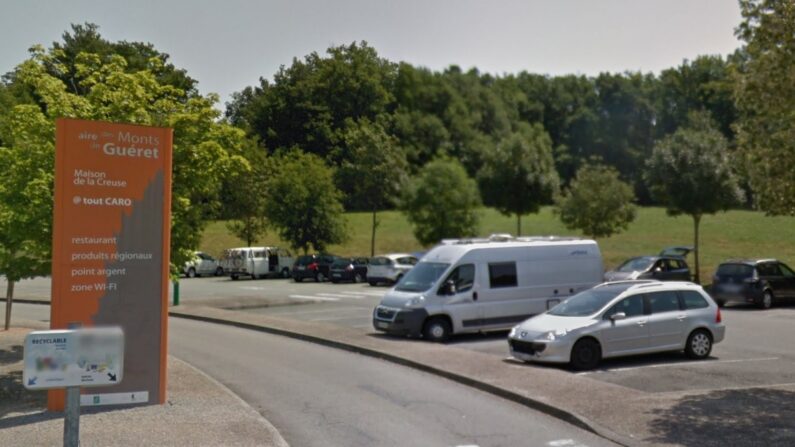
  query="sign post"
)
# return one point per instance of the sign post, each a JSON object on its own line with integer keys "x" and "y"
{"x": 72, "y": 359}
{"x": 111, "y": 247}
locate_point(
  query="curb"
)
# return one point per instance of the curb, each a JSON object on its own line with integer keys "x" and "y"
{"x": 566, "y": 416}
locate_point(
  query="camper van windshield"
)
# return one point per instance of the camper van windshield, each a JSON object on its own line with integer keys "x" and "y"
{"x": 422, "y": 277}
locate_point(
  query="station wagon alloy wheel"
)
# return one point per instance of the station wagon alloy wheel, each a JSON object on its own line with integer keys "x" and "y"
{"x": 767, "y": 300}
{"x": 699, "y": 345}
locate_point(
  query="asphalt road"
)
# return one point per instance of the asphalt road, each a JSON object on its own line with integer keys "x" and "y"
{"x": 318, "y": 396}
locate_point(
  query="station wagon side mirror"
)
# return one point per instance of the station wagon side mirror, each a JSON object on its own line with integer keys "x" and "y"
{"x": 448, "y": 288}
{"x": 618, "y": 316}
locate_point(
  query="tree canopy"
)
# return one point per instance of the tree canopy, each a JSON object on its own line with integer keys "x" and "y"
{"x": 442, "y": 202}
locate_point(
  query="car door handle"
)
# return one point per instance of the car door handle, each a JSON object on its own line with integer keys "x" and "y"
{"x": 681, "y": 317}
{"x": 642, "y": 322}
{"x": 474, "y": 296}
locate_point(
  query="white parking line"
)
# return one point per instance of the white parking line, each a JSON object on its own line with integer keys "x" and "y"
{"x": 339, "y": 295}
{"x": 379, "y": 294}
{"x": 565, "y": 443}
{"x": 667, "y": 365}
{"x": 313, "y": 297}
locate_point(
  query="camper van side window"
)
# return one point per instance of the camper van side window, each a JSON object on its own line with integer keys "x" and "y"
{"x": 502, "y": 274}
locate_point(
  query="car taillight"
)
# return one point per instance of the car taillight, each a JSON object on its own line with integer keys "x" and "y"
{"x": 312, "y": 266}
{"x": 349, "y": 268}
{"x": 718, "y": 318}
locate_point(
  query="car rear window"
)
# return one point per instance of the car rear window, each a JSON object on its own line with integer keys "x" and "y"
{"x": 305, "y": 260}
{"x": 735, "y": 270}
{"x": 694, "y": 300}
{"x": 341, "y": 263}
{"x": 380, "y": 261}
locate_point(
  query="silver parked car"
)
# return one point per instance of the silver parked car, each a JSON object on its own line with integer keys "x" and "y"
{"x": 202, "y": 264}
{"x": 389, "y": 268}
{"x": 621, "y": 318}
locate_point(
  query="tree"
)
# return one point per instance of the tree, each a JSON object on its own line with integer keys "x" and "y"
{"x": 205, "y": 151}
{"x": 373, "y": 171}
{"x": 245, "y": 196}
{"x": 441, "y": 202}
{"x": 765, "y": 94}
{"x": 26, "y": 182}
{"x": 690, "y": 172}
{"x": 597, "y": 202}
{"x": 519, "y": 175}
{"x": 303, "y": 203}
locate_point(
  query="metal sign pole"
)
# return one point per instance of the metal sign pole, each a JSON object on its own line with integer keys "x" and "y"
{"x": 71, "y": 423}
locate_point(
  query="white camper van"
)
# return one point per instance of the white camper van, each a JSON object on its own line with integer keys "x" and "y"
{"x": 487, "y": 284}
{"x": 257, "y": 262}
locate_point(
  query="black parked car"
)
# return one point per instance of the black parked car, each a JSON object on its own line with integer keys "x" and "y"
{"x": 313, "y": 266}
{"x": 669, "y": 265}
{"x": 349, "y": 269}
{"x": 762, "y": 282}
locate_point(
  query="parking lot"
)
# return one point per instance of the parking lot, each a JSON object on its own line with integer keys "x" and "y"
{"x": 757, "y": 351}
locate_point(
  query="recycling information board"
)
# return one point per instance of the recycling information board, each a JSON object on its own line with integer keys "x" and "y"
{"x": 81, "y": 357}
{"x": 111, "y": 244}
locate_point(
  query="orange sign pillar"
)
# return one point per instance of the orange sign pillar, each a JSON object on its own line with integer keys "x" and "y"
{"x": 111, "y": 240}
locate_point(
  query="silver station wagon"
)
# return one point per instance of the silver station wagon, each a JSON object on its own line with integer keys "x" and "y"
{"x": 621, "y": 318}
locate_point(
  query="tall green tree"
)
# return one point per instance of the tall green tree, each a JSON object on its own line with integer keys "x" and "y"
{"x": 303, "y": 204}
{"x": 690, "y": 172}
{"x": 597, "y": 202}
{"x": 373, "y": 171}
{"x": 519, "y": 175}
{"x": 441, "y": 202}
{"x": 204, "y": 150}
{"x": 245, "y": 197}
{"x": 765, "y": 94}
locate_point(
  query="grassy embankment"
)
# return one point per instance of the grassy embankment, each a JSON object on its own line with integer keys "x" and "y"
{"x": 725, "y": 235}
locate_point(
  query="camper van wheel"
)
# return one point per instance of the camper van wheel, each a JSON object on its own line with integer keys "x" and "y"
{"x": 437, "y": 330}
{"x": 234, "y": 277}
{"x": 285, "y": 272}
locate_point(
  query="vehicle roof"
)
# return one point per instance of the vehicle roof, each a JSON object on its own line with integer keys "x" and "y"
{"x": 394, "y": 256}
{"x": 650, "y": 285}
{"x": 251, "y": 248}
{"x": 453, "y": 251}
{"x": 748, "y": 261}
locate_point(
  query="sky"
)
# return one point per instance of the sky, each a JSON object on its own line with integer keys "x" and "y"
{"x": 228, "y": 45}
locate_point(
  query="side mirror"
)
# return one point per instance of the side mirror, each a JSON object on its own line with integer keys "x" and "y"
{"x": 449, "y": 287}
{"x": 618, "y": 316}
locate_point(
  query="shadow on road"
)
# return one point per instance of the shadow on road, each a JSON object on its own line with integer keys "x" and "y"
{"x": 751, "y": 417}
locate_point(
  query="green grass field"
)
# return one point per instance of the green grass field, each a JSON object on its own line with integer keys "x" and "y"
{"x": 736, "y": 234}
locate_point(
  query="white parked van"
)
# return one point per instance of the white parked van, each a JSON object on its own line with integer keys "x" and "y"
{"x": 487, "y": 284}
{"x": 257, "y": 262}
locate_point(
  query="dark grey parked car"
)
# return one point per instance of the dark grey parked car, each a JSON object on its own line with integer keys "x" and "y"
{"x": 669, "y": 265}
{"x": 762, "y": 282}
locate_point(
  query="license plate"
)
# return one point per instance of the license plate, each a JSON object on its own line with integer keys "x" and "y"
{"x": 731, "y": 288}
{"x": 301, "y": 267}
{"x": 336, "y": 275}
{"x": 381, "y": 324}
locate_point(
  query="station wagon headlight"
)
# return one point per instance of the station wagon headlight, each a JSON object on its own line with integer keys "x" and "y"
{"x": 514, "y": 329}
{"x": 417, "y": 301}
{"x": 553, "y": 335}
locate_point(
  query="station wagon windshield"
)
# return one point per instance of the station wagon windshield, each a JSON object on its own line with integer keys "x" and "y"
{"x": 422, "y": 277}
{"x": 586, "y": 303}
{"x": 636, "y": 265}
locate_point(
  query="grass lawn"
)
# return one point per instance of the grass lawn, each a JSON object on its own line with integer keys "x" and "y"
{"x": 736, "y": 234}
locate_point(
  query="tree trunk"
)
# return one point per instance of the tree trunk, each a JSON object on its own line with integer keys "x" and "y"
{"x": 9, "y": 299}
{"x": 696, "y": 222}
{"x": 518, "y": 224}
{"x": 372, "y": 239}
